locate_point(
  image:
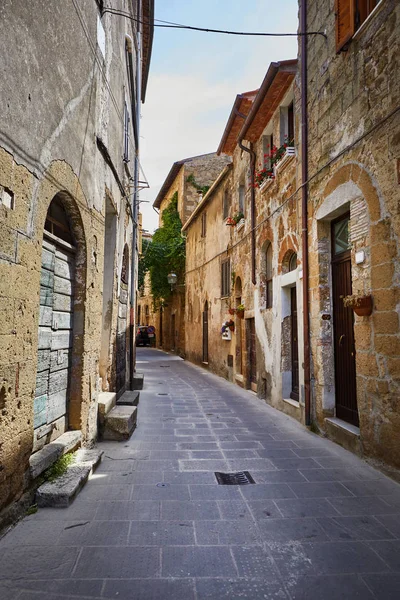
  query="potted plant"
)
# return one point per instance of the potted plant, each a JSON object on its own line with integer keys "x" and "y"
{"x": 231, "y": 310}
{"x": 228, "y": 325}
{"x": 362, "y": 305}
{"x": 240, "y": 311}
{"x": 233, "y": 221}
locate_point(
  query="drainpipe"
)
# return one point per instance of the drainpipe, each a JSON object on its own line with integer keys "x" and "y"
{"x": 253, "y": 208}
{"x": 304, "y": 211}
{"x": 135, "y": 203}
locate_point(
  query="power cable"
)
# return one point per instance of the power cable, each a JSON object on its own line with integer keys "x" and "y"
{"x": 171, "y": 25}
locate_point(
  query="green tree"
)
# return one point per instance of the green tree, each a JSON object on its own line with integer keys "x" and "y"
{"x": 142, "y": 267}
{"x": 166, "y": 253}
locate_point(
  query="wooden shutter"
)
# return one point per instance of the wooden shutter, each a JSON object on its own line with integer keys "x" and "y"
{"x": 345, "y": 22}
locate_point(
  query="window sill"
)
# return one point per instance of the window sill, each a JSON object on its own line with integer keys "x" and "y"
{"x": 286, "y": 158}
{"x": 294, "y": 403}
{"x": 240, "y": 224}
{"x": 367, "y": 21}
{"x": 266, "y": 183}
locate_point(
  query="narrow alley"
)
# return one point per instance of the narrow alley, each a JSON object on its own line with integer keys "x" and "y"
{"x": 152, "y": 523}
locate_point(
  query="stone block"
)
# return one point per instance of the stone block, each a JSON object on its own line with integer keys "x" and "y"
{"x": 129, "y": 399}
{"x": 106, "y": 402}
{"x": 120, "y": 423}
{"x": 386, "y": 322}
{"x": 61, "y": 491}
{"x": 138, "y": 379}
{"x": 44, "y": 458}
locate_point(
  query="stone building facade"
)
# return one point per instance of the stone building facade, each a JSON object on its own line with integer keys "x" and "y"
{"x": 68, "y": 159}
{"x": 353, "y": 215}
{"x": 187, "y": 178}
{"x": 257, "y": 262}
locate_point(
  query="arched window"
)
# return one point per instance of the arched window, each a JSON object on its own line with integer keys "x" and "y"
{"x": 57, "y": 222}
{"x": 268, "y": 277}
{"x": 293, "y": 262}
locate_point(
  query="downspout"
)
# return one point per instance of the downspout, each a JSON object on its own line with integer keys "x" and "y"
{"x": 135, "y": 203}
{"x": 252, "y": 205}
{"x": 304, "y": 211}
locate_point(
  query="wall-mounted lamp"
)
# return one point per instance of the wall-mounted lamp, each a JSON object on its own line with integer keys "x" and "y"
{"x": 172, "y": 279}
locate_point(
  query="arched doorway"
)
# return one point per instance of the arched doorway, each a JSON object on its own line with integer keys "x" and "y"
{"x": 205, "y": 332}
{"x": 56, "y": 322}
{"x": 122, "y": 325}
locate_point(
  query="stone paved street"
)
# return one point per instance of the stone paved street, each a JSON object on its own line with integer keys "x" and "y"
{"x": 153, "y": 524}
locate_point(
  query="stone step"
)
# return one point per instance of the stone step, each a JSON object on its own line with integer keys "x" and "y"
{"x": 120, "y": 423}
{"x": 44, "y": 458}
{"x": 129, "y": 399}
{"x": 106, "y": 403}
{"x": 138, "y": 379}
{"x": 60, "y": 492}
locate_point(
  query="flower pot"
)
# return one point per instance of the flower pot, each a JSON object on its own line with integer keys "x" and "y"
{"x": 240, "y": 314}
{"x": 364, "y": 306}
{"x": 231, "y": 311}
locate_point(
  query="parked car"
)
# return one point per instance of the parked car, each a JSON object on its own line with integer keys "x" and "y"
{"x": 142, "y": 336}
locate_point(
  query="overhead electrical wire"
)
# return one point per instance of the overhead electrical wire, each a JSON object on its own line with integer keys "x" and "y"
{"x": 171, "y": 25}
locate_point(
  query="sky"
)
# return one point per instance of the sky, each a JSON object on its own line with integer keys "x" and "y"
{"x": 195, "y": 77}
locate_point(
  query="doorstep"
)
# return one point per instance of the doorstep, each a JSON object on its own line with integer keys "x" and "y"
{"x": 344, "y": 433}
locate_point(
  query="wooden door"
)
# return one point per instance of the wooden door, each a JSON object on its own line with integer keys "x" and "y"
{"x": 55, "y": 338}
{"x": 205, "y": 333}
{"x": 343, "y": 328}
{"x": 294, "y": 394}
{"x": 252, "y": 351}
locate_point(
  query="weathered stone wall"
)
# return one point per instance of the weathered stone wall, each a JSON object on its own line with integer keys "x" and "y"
{"x": 53, "y": 107}
{"x": 354, "y": 149}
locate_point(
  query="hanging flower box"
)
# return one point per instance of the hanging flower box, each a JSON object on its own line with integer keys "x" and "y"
{"x": 289, "y": 153}
{"x": 362, "y": 305}
{"x": 240, "y": 311}
{"x": 240, "y": 224}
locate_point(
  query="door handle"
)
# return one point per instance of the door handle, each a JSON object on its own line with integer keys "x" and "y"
{"x": 341, "y": 339}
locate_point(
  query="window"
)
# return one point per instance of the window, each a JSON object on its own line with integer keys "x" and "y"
{"x": 126, "y": 133}
{"x": 268, "y": 277}
{"x": 225, "y": 278}
{"x": 241, "y": 198}
{"x": 226, "y": 205}
{"x": 293, "y": 262}
{"x": 57, "y": 221}
{"x": 203, "y": 224}
{"x": 268, "y": 144}
{"x": 287, "y": 125}
{"x": 350, "y": 15}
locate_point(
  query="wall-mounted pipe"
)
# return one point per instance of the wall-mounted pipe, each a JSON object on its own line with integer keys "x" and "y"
{"x": 304, "y": 211}
{"x": 252, "y": 207}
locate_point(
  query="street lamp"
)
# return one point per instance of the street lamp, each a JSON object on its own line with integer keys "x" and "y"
{"x": 172, "y": 279}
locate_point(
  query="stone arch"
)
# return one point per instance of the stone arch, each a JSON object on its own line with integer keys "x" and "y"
{"x": 288, "y": 246}
{"x": 73, "y": 249}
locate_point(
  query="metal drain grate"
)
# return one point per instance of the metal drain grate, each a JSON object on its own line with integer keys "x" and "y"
{"x": 240, "y": 478}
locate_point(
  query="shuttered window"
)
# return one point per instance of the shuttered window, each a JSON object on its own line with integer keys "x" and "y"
{"x": 203, "y": 224}
{"x": 350, "y": 15}
{"x": 225, "y": 278}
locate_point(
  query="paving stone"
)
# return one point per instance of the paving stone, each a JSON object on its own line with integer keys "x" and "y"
{"x": 37, "y": 562}
{"x": 289, "y": 476}
{"x": 391, "y": 523}
{"x": 154, "y": 492}
{"x": 155, "y": 589}
{"x": 389, "y": 551}
{"x": 210, "y": 454}
{"x": 384, "y": 587}
{"x": 326, "y": 558}
{"x": 97, "y": 533}
{"x": 77, "y": 510}
{"x": 61, "y": 588}
{"x": 200, "y": 561}
{"x": 295, "y": 463}
{"x": 240, "y": 445}
{"x": 266, "y": 491}
{"x": 7, "y": 591}
{"x": 306, "y": 507}
{"x": 328, "y": 587}
{"x": 254, "y": 561}
{"x": 105, "y": 493}
{"x": 198, "y": 446}
{"x": 234, "y": 509}
{"x": 276, "y": 453}
{"x": 190, "y": 511}
{"x": 32, "y": 533}
{"x": 290, "y": 529}
{"x": 372, "y": 488}
{"x": 258, "y": 589}
{"x": 222, "y": 533}
{"x": 146, "y": 510}
{"x": 354, "y": 528}
{"x": 204, "y": 465}
{"x": 161, "y": 533}
{"x": 367, "y": 505}
{"x": 218, "y": 492}
{"x": 264, "y": 509}
{"x": 175, "y": 477}
{"x": 328, "y": 489}
{"x": 316, "y": 475}
{"x": 118, "y": 562}
{"x": 157, "y": 465}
